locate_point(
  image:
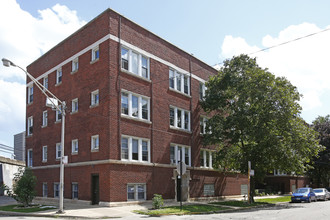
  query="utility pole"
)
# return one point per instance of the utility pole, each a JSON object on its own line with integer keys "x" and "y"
{"x": 249, "y": 184}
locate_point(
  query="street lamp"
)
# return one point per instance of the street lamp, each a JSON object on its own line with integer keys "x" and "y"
{"x": 53, "y": 101}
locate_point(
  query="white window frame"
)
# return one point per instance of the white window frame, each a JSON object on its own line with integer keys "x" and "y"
{"x": 58, "y": 114}
{"x": 177, "y": 156}
{"x": 74, "y": 146}
{"x": 94, "y": 101}
{"x": 56, "y": 189}
{"x": 58, "y": 151}
{"x": 136, "y": 185}
{"x": 59, "y": 76}
{"x": 74, "y": 105}
{"x": 140, "y": 150}
{"x": 95, "y": 53}
{"x": 183, "y": 111}
{"x": 202, "y": 90}
{"x": 73, "y": 190}
{"x": 75, "y": 65}
{"x": 30, "y": 158}
{"x": 174, "y": 76}
{"x": 95, "y": 142}
{"x": 45, "y": 82}
{"x": 30, "y": 94}
{"x": 139, "y": 63}
{"x": 202, "y": 124}
{"x": 30, "y": 126}
{"x": 44, "y": 153}
{"x": 44, "y": 190}
{"x": 44, "y": 118}
{"x": 130, "y": 106}
{"x": 204, "y": 153}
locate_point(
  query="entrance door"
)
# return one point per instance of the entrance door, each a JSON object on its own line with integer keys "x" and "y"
{"x": 178, "y": 189}
{"x": 95, "y": 189}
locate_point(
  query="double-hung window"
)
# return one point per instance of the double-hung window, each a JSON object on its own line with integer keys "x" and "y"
{"x": 136, "y": 191}
{"x": 202, "y": 89}
{"x": 45, "y": 83}
{"x": 206, "y": 158}
{"x": 58, "y": 151}
{"x": 95, "y": 98}
{"x": 56, "y": 190}
{"x": 75, "y": 65}
{"x": 59, "y": 76}
{"x": 30, "y": 94}
{"x": 179, "y": 150}
{"x": 44, "y": 190}
{"x": 30, "y": 158}
{"x": 95, "y": 53}
{"x": 44, "y": 118}
{"x": 58, "y": 115}
{"x": 179, "y": 118}
{"x": 74, "y": 190}
{"x": 179, "y": 81}
{"x": 30, "y": 126}
{"x": 135, "y": 106}
{"x": 95, "y": 143}
{"x": 202, "y": 125}
{"x": 74, "y": 146}
{"x": 135, "y": 149}
{"x": 44, "y": 154}
{"x": 74, "y": 105}
{"x": 135, "y": 63}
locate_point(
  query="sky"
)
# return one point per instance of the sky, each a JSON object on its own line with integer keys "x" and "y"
{"x": 212, "y": 30}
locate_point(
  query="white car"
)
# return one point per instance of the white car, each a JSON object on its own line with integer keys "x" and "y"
{"x": 322, "y": 194}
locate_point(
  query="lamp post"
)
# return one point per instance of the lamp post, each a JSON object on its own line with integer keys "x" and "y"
{"x": 59, "y": 105}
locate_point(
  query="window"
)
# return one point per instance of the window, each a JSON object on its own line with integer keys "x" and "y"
{"x": 202, "y": 90}
{"x": 206, "y": 158}
{"x": 30, "y": 126}
{"x": 74, "y": 105}
{"x": 59, "y": 76}
{"x": 45, "y": 82}
{"x": 95, "y": 143}
{"x": 30, "y": 94}
{"x": 44, "y": 118}
{"x": 44, "y": 154}
{"x": 179, "y": 81}
{"x": 136, "y": 106}
{"x": 176, "y": 151}
{"x": 44, "y": 190}
{"x": 75, "y": 65}
{"x": 74, "y": 146}
{"x": 208, "y": 189}
{"x": 58, "y": 115}
{"x": 30, "y": 158}
{"x": 135, "y": 149}
{"x": 179, "y": 118}
{"x": 95, "y": 98}
{"x": 95, "y": 53}
{"x": 202, "y": 125}
{"x": 135, "y": 63}
{"x": 136, "y": 191}
{"x": 74, "y": 190}
{"x": 56, "y": 190}
{"x": 58, "y": 151}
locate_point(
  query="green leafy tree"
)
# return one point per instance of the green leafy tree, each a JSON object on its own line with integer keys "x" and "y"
{"x": 24, "y": 186}
{"x": 320, "y": 173}
{"x": 255, "y": 117}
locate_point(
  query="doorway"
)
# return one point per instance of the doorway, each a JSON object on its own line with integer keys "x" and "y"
{"x": 95, "y": 189}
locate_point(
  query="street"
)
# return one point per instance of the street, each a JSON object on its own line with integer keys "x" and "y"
{"x": 315, "y": 210}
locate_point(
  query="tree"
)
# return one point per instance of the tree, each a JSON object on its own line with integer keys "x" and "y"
{"x": 320, "y": 173}
{"x": 24, "y": 186}
{"x": 255, "y": 117}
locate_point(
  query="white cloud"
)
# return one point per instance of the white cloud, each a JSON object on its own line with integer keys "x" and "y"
{"x": 304, "y": 62}
{"x": 23, "y": 39}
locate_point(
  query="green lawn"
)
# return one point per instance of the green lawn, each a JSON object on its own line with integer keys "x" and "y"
{"x": 18, "y": 208}
{"x": 275, "y": 200}
{"x": 186, "y": 209}
{"x": 238, "y": 203}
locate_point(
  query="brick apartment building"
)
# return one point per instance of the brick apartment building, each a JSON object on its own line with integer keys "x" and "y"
{"x": 133, "y": 104}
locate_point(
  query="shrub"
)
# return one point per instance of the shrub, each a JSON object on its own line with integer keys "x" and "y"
{"x": 157, "y": 201}
{"x": 24, "y": 184}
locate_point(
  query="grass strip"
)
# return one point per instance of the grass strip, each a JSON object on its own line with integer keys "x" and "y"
{"x": 186, "y": 210}
{"x": 275, "y": 200}
{"x": 18, "y": 208}
{"x": 237, "y": 203}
